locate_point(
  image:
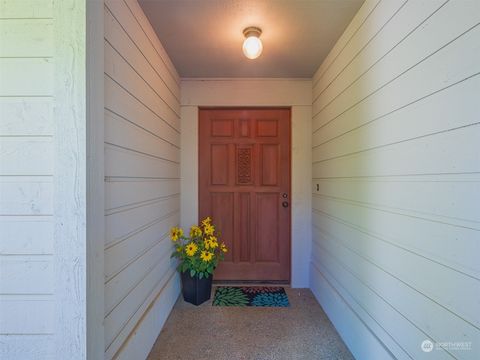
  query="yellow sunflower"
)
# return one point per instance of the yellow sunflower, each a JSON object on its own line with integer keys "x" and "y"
{"x": 175, "y": 233}
{"x": 223, "y": 248}
{"x": 191, "y": 249}
{"x": 195, "y": 231}
{"x": 208, "y": 229}
{"x": 213, "y": 242}
{"x": 206, "y": 221}
{"x": 207, "y": 243}
{"x": 206, "y": 256}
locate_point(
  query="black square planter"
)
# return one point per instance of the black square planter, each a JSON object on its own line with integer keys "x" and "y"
{"x": 196, "y": 291}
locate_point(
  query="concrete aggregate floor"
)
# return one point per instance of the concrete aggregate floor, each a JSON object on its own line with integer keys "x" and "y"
{"x": 301, "y": 331}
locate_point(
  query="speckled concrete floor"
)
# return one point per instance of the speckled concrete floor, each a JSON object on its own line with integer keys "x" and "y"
{"x": 301, "y": 331}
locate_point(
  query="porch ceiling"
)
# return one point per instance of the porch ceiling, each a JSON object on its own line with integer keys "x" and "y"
{"x": 204, "y": 37}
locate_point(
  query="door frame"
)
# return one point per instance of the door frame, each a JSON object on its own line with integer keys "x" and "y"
{"x": 290, "y": 168}
{"x": 255, "y": 92}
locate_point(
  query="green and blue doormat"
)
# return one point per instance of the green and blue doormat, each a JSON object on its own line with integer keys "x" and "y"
{"x": 250, "y": 296}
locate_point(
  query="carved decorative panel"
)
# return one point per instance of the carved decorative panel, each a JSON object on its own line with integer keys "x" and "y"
{"x": 244, "y": 166}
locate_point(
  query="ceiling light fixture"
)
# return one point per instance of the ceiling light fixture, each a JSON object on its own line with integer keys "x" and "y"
{"x": 252, "y": 46}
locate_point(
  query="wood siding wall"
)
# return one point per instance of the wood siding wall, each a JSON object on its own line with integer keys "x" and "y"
{"x": 396, "y": 174}
{"x": 26, "y": 180}
{"x": 142, "y": 185}
{"x": 42, "y": 179}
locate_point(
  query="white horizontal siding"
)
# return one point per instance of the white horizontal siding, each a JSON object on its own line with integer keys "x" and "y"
{"x": 133, "y": 54}
{"x": 148, "y": 331}
{"x": 142, "y": 180}
{"x": 24, "y": 116}
{"x": 143, "y": 35}
{"x": 26, "y": 197}
{"x": 363, "y": 335}
{"x": 27, "y": 316}
{"x": 26, "y": 274}
{"x": 27, "y": 66}
{"x": 369, "y": 27}
{"x": 27, "y": 347}
{"x": 123, "y": 283}
{"x": 128, "y": 192}
{"x": 122, "y": 72}
{"x": 20, "y": 156}
{"x": 133, "y": 247}
{"x": 355, "y": 25}
{"x": 36, "y": 37}
{"x": 396, "y": 182}
{"x": 26, "y": 9}
{"x": 128, "y": 163}
{"x": 26, "y": 76}
{"x": 125, "y": 222}
{"x": 119, "y": 102}
{"x": 124, "y": 134}
{"x": 26, "y": 235}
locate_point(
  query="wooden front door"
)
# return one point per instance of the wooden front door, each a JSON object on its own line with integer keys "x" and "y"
{"x": 244, "y": 184}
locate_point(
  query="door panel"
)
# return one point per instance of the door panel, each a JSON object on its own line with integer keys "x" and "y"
{"x": 222, "y": 210}
{"x": 268, "y": 224}
{"x": 244, "y": 177}
{"x": 269, "y": 158}
{"x": 219, "y": 157}
{"x": 243, "y": 223}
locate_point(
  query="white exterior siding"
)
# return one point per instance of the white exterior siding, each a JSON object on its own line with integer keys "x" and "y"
{"x": 42, "y": 179}
{"x": 142, "y": 181}
{"x": 395, "y": 158}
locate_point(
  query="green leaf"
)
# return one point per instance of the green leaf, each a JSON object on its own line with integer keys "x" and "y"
{"x": 192, "y": 272}
{"x": 200, "y": 276}
{"x": 230, "y": 296}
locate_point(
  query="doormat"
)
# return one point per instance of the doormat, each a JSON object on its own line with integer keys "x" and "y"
{"x": 250, "y": 296}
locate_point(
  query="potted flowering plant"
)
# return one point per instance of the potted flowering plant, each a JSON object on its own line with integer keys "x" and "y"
{"x": 199, "y": 255}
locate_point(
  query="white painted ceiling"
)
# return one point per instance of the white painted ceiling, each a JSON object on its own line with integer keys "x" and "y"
{"x": 204, "y": 37}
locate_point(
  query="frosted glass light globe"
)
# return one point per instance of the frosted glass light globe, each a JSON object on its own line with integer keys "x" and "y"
{"x": 252, "y": 47}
